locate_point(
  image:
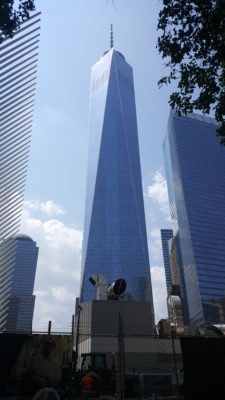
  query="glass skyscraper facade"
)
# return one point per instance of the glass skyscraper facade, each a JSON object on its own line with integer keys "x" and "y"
{"x": 18, "y": 59}
{"x": 18, "y": 278}
{"x": 166, "y": 239}
{"x": 115, "y": 239}
{"x": 195, "y": 170}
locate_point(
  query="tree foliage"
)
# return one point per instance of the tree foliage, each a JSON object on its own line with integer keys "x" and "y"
{"x": 192, "y": 41}
{"x": 12, "y": 13}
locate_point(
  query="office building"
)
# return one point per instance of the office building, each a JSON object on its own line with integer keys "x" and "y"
{"x": 19, "y": 301}
{"x": 195, "y": 170}
{"x": 174, "y": 305}
{"x": 175, "y": 309}
{"x": 174, "y": 264}
{"x": 115, "y": 239}
{"x": 18, "y": 67}
{"x": 166, "y": 239}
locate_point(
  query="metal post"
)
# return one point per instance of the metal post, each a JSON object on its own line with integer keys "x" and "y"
{"x": 49, "y": 327}
{"x": 72, "y": 330}
{"x": 75, "y": 358}
{"x": 120, "y": 359}
{"x": 77, "y": 335}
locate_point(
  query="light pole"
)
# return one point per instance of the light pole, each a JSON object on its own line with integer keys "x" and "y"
{"x": 75, "y": 374}
{"x": 77, "y": 335}
{"x": 121, "y": 360}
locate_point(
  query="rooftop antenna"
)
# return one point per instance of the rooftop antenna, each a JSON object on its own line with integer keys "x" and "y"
{"x": 111, "y": 37}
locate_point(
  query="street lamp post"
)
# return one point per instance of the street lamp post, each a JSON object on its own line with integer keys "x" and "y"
{"x": 75, "y": 373}
{"x": 77, "y": 335}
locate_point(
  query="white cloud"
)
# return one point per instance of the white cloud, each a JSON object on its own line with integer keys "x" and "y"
{"x": 41, "y": 293}
{"x": 45, "y": 311}
{"x": 155, "y": 245}
{"x": 159, "y": 292}
{"x": 152, "y": 217}
{"x": 155, "y": 233}
{"x": 61, "y": 293}
{"x": 58, "y": 269}
{"x": 48, "y": 207}
{"x": 158, "y": 192}
{"x": 62, "y": 237}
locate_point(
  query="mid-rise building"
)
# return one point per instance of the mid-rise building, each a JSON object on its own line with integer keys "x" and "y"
{"x": 174, "y": 304}
{"x": 174, "y": 264}
{"x": 18, "y": 277}
{"x": 195, "y": 170}
{"x": 166, "y": 239}
{"x": 115, "y": 239}
{"x": 175, "y": 308}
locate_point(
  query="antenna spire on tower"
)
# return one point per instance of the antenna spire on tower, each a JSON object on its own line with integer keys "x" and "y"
{"x": 111, "y": 37}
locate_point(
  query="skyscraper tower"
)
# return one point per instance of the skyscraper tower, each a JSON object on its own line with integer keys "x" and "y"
{"x": 18, "y": 67}
{"x": 195, "y": 170}
{"x": 19, "y": 299}
{"x": 115, "y": 240}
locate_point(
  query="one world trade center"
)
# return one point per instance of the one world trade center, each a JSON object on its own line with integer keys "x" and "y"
{"x": 115, "y": 239}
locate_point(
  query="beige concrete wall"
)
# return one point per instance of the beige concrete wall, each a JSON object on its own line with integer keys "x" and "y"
{"x": 41, "y": 360}
{"x": 135, "y": 317}
{"x": 101, "y": 323}
{"x": 143, "y": 354}
{"x": 102, "y": 317}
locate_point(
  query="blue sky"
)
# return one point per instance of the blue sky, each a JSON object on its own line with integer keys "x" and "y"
{"x": 73, "y": 36}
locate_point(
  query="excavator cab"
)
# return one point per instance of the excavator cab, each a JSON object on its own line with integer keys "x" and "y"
{"x": 93, "y": 362}
{"x": 95, "y": 365}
